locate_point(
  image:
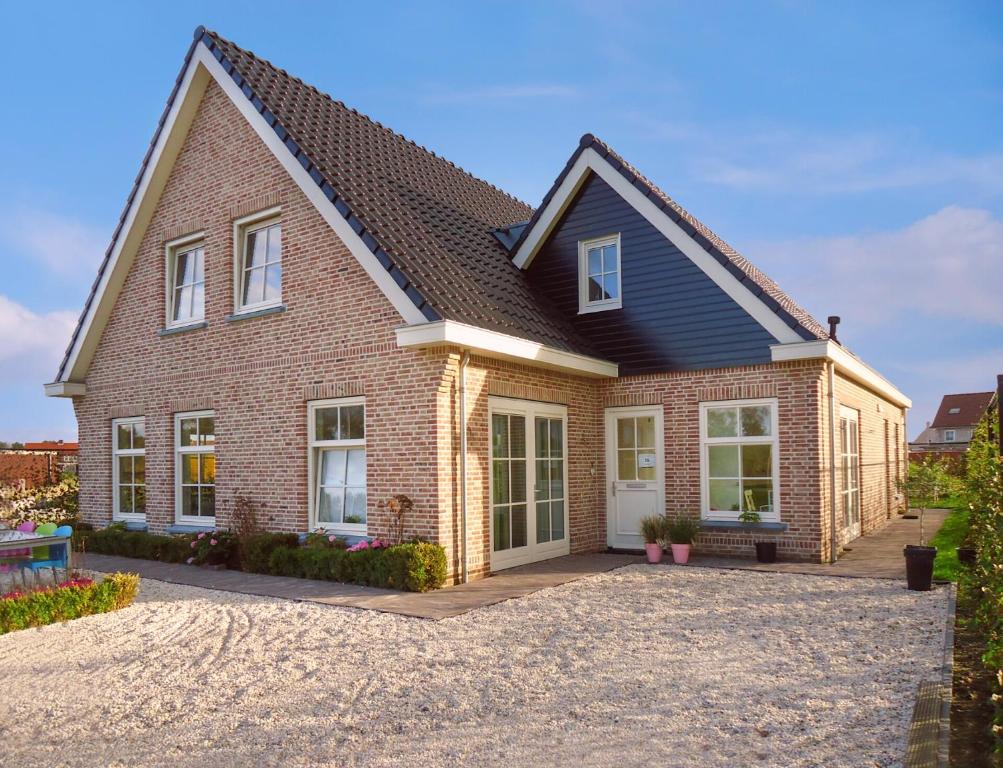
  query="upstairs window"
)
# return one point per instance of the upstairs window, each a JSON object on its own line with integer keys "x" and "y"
{"x": 259, "y": 261}
{"x": 599, "y": 274}
{"x": 954, "y": 411}
{"x": 949, "y": 435}
{"x": 185, "y": 281}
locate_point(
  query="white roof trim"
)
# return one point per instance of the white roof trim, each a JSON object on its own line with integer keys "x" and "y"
{"x": 65, "y": 389}
{"x": 503, "y": 346}
{"x": 179, "y": 118}
{"x": 590, "y": 161}
{"x": 849, "y": 365}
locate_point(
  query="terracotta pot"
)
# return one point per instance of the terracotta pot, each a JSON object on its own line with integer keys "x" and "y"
{"x": 654, "y": 553}
{"x": 681, "y": 553}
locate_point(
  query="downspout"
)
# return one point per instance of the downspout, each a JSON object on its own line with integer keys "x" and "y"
{"x": 463, "y": 460}
{"x": 832, "y": 463}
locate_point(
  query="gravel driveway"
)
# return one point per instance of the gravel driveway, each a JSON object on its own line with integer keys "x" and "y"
{"x": 644, "y": 665}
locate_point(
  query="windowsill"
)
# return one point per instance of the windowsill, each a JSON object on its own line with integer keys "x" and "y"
{"x": 131, "y": 525}
{"x": 248, "y": 314}
{"x": 737, "y": 526}
{"x": 182, "y": 328}
{"x": 587, "y": 310}
{"x": 191, "y": 527}
{"x": 350, "y": 538}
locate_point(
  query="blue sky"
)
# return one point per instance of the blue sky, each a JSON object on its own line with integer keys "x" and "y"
{"x": 853, "y": 151}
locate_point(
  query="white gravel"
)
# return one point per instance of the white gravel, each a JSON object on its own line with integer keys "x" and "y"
{"x": 641, "y": 666}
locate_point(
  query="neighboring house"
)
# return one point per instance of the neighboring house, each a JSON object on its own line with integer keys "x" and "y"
{"x": 304, "y": 308}
{"x": 951, "y": 430}
{"x": 66, "y": 453}
{"x": 37, "y": 463}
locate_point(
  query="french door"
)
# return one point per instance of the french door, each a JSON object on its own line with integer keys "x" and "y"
{"x": 529, "y": 482}
{"x": 636, "y": 473}
{"x": 849, "y": 466}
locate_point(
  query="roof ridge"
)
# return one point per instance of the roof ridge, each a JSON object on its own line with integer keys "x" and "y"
{"x": 968, "y": 394}
{"x": 364, "y": 116}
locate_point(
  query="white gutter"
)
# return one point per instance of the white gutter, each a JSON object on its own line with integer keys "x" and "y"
{"x": 848, "y": 365}
{"x": 463, "y": 459}
{"x": 833, "y": 544}
{"x": 503, "y": 346}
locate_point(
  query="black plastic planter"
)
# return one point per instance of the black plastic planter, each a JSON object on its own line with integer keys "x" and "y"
{"x": 766, "y": 551}
{"x": 919, "y": 567}
{"x": 966, "y": 555}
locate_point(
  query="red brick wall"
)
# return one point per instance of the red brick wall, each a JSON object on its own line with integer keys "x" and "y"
{"x": 31, "y": 469}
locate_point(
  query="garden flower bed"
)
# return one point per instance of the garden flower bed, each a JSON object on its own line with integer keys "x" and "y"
{"x": 68, "y": 600}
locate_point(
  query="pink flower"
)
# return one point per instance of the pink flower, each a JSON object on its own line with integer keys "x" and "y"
{"x": 213, "y": 542}
{"x": 202, "y": 535}
{"x": 194, "y": 544}
{"x": 332, "y": 539}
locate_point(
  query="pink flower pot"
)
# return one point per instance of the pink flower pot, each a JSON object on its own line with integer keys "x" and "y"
{"x": 654, "y": 553}
{"x": 680, "y": 553}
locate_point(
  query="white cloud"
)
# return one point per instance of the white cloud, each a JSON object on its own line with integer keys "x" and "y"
{"x": 63, "y": 245}
{"x": 946, "y": 265}
{"x": 32, "y": 344}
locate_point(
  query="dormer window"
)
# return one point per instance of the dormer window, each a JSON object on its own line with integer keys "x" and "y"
{"x": 599, "y": 274}
{"x": 259, "y": 261}
{"x": 954, "y": 411}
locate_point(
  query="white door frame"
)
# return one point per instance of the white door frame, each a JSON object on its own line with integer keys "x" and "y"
{"x": 613, "y": 539}
{"x": 854, "y": 529}
{"x": 532, "y": 552}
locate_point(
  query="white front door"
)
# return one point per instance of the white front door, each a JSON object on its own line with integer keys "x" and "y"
{"x": 529, "y": 482}
{"x": 635, "y": 469}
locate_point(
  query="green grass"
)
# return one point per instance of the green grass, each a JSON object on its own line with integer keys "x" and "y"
{"x": 950, "y": 536}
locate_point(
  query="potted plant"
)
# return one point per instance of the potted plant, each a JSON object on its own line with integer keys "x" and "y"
{"x": 766, "y": 551}
{"x": 682, "y": 532}
{"x": 652, "y": 529}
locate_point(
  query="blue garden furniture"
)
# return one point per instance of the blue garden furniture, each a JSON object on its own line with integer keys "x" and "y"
{"x": 52, "y": 556}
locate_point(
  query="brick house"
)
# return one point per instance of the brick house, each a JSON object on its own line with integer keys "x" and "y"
{"x": 950, "y": 433}
{"x": 304, "y": 308}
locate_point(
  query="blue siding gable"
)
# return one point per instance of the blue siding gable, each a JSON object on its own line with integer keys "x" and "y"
{"x": 674, "y": 317}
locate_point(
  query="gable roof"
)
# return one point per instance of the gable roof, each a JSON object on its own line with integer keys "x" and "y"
{"x": 972, "y": 406}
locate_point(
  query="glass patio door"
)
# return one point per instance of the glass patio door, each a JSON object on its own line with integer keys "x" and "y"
{"x": 849, "y": 466}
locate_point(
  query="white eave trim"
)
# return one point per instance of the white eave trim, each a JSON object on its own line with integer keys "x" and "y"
{"x": 65, "y": 389}
{"x": 503, "y": 346}
{"x": 155, "y": 174}
{"x": 590, "y": 161}
{"x": 848, "y": 365}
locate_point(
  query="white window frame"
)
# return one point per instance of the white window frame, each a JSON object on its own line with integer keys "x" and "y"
{"x": 314, "y": 448}
{"x": 202, "y": 521}
{"x": 116, "y": 452}
{"x": 243, "y": 227}
{"x": 171, "y": 251}
{"x": 584, "y": 305}
{"x": 846, "y": 490}
{"x": 705, "y": 442}
{"x": 950, "y": 435}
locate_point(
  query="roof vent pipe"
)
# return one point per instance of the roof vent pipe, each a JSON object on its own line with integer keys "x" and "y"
{"x": 833, "y": 322}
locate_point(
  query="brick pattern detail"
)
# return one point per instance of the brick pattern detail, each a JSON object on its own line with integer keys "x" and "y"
{"x": 321, "y": 391}
{"x": 182, "y": 229}
{"x": 253, "y": 205}
{"x": 524, "y": 392}
{"x": 124, "y": 411}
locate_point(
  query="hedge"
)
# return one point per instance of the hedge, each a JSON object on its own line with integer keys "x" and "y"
{"x": 256, "y": 549}
{"x": 413, "y": 566}
{"x": 115, "y": 540}
{"x": 65, "y": 602}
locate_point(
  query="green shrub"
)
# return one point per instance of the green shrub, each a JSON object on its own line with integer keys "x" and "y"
{"x": 414, "y": 566}
{"x": 70, "y": 600}
{"x": 256, "y": 549}
{"x": 116, "y": 540}
{"x": 683, "y": 529}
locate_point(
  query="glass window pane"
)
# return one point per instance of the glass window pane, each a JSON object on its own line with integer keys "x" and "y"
{"x": 611, "y": 287}
{"x": 189, "y": 432}
{"x": 199, "y": 265}
{"x": 189, "y": 468}
{"x": 125, "y": 499}
{"x": 139, "y": 499}
{"x": 124, "y": 469}
{"x": 724, "y": 495}
{"x": 595, "y": 289}
{"x": 517, "y": 437}
{"x": 499, "y": 435}
{"x": 356, "y": 471}
{"x": 332, "y": 468}
{"x": 331, "y": 503}
{"x": 257, "y": 243}
{"x": 183, "y": 303}
{"x": 762, "y": 494}
{"x": 138, "y": 470}
{"x": 625, "y": 433}
{"x": 353, "y": 425}
{"x": 273, "y": 282}
{"x": 207, "y": 430}
{"x": 189, "y": 501}
{"x": 207, "y": 468}
{"x": 557, "y": 479}
{"x": 254, "y": 286}
{"x": 542, "y": 486}
{"x": 722, "y": 422}
{"x": 501, "y": 515}
{"x": 610, "y": 262}
{"x": 519, "y": 525}
{"x": 646, "y": 432}
{"x": 355, "y": 505}
{"x": 499, "y": 482}
{"x": 124, "y": 432}
{"x": 756, "y": 421}
{"x": 198, "y": 301}
{"x": 595, "y": 261}
{"x": 722, "y": 461}
{"x": 518, "y": 487}
{"x": 542, "y": 522}
{"x": 556, "y": 520}
{"x": 275, "y": 242}
{"x": 542, "y": 438}
{"x": 181, "y": 269}
{"x": 557, "y": 438}
{"x": 757, "y": 460}
{"x": 646, "y": 465}
{"x": 326, "y": 424}
{"x": 626, "y": 465}
{"x": 207, "y": 501}
{"x": 139, "y": 435}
